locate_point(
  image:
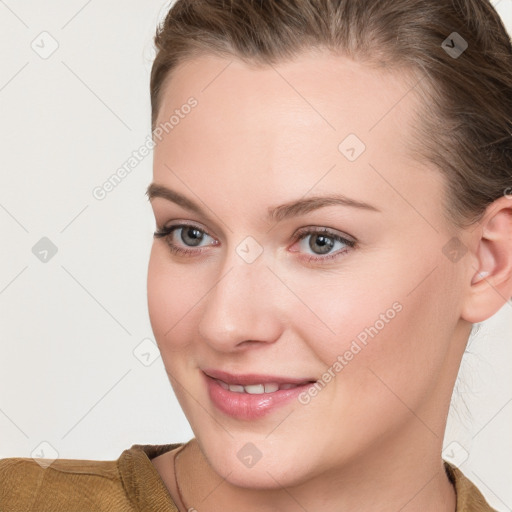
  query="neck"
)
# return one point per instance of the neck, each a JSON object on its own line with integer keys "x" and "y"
{"x": 411, "y": 482}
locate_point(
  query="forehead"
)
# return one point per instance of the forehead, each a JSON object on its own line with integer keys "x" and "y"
{"x": 261, "y": 127}
{"x": 336, "y": 88}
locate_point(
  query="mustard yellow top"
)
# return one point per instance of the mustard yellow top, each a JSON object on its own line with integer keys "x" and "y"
{"x": 130, "y": 483}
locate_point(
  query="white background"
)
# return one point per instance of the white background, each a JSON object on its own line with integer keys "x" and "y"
{"x": 69, "y": 327}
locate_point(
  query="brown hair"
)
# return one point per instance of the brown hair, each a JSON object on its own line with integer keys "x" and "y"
{"x": 465, "y": 126}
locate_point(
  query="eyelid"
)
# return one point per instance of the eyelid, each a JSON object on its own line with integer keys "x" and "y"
{"x": 184, "y": 223}
{"x": 324, "y": 230}
{"x": 168, "y": 229}
{"x": 297, "y": 234}
{"x": 349, "y": 241}
{"x": 162, "y": 211}
{"x": 188, "y": 251}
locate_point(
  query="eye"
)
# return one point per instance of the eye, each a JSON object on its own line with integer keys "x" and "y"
{"x": 187, "y": 234}
{"x": 322, "y": 242}
{"x": 181, "y": 238}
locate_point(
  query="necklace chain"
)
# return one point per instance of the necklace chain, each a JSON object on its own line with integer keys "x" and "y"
{"x": 180, "y": 496}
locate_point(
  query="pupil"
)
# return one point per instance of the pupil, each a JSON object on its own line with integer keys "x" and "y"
{"x": 194, "y": 239}
{"x": 324, "y": 242}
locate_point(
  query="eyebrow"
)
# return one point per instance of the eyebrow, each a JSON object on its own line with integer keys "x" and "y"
{"x": 276, "y": 214}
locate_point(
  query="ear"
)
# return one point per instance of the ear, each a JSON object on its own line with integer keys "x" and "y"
{"x": 490, "y": 274}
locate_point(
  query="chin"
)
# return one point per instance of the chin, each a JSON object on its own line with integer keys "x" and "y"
{"x": 264, "y": 478}
{"x": 268, "y": 469}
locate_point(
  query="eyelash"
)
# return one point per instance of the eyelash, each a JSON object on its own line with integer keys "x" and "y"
{"x": 301, "y": 234}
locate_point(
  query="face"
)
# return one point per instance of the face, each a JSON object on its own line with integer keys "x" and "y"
{"x": 349, "y": 304}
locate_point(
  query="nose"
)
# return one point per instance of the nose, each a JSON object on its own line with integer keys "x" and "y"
{"x": 242, "y": 307}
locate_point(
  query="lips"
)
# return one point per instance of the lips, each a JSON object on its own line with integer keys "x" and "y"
{"x": 251, "y": 396}
{"x": 254, "y": 379}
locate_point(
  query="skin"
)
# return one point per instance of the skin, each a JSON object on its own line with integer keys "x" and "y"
{"x": 264, "y": 136}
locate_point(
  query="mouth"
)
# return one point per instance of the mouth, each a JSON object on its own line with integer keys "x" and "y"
{"x": 251, "y": 396}
{"x": 258, "y": 389}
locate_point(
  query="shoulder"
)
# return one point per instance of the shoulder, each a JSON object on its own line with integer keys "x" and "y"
{"x": 128, "y": 484}
{"x": 469, "y": 498}
{"x": 61, "y": 484}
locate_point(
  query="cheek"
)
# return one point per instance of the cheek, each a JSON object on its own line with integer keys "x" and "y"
{"x": 383, "y": 362}
{"x": 408, "y": 364}
{"x": 171, "y": 297}
{"x": 386, "y": 334}
{"x": 347, "y": 315}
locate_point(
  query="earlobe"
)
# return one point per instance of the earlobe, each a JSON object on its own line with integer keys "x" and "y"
{"x": 491, "y": 279}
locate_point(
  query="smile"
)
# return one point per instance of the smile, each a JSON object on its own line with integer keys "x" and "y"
{"x": 257, "y": 389}
{"x": 250, "y": 396}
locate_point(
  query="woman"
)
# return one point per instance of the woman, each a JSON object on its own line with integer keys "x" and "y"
{"x": 332, "y": 194}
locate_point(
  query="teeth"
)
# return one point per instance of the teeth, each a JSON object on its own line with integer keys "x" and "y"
{"x": 270, "y": 388}
{"x": 255, "y": 389}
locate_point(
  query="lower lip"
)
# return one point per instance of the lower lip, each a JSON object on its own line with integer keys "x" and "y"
{"x": 244, "y": 406}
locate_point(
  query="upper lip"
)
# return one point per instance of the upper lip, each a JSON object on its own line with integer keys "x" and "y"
{"x": 248, "y": 379}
